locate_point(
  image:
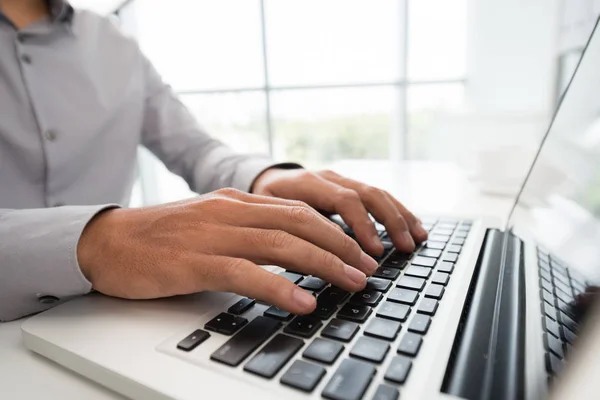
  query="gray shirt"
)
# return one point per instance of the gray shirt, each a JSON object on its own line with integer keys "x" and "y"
{"x": 76, "y": 99}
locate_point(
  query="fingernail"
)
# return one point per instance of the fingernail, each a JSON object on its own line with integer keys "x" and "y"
{"x": 303, "y": 298}
{"x": 367, "y": 262}
{"x": 408, "y": 240}
{"x": 354, "y": 275}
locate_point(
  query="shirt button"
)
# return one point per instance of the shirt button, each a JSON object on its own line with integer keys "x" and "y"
{"x": 21, "y": 38}
{"x": 51, "y": 136}
{"x": 59, "y": 205}
{"x": 26, "y": 59}
{"x": 48, "y": 300}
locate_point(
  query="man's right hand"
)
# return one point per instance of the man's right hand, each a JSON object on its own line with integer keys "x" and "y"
{"x": 215, "y": 243}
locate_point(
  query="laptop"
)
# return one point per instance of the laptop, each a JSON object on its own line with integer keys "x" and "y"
{"x": 482, "y": 310}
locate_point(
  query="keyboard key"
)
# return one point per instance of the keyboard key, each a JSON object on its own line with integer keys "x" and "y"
{"x": 435, "y": 245}
{"x": 565, "y": 288}
{"x": 420, "y": 324}
{"x": 446, "y": 267}
{"x": 398, "y": 370}
{"x": 567, "y": 322}
{"x": 394, "y": 263}
{"x": 424, "y": 261}
{"x": 554, "y": 345}
{"x": 550, "y": 311}
{"x": 547, "y": 296}
{"x": 383, "y": 329}
{"x": 546, "y": 285}
{"x": 304, "y": 325}
{"x": 409, "y": 282}
{"x": 367, "y": 297}
{"x": 354, "y": 312}
{"x": 271, "y": 358}
{"x": 226, "y": 324}
{"x": 324, "y": 310}
{"x": 193, "y": 340}
{"x": 323, "y": 350}
{"x": 567, "y": 335}
{"x": 303, "y": 375}
{"x": 399, "y": 256}
{"x": 278, "y": 313}
{"x": 340, "y": 330}
{"x": 241, "y": 306}
{"x": 439, "y": 238}
{"x": 551, "y": 326}
{"x": 350, "y": 381}
{"x": 370, "y": 349}
{"x": 566, "y": 297}
{"x": 387, "y": 273}
{"x": 458, "y": 241}
{"x": 441, "y": 278}
{"x": 393, "y": 311}
{"x": 450, "y": 257}
{"x": 385, "y": 392}
{"x": 454, "y": 248}
{"x": 381, "y": 285}
{"x": 461, "y": 234}
{"x": 410, "y": 344}
{"x": 562, "y": 279}
{"x": 428, "y": 306}
{"x": 403, "y": 296}
{"x": 240, "y": 346}
{"x": 464, "y": 228}
{"x": 291, "y": 276}
{"x": 419, "y": 272}
{"x": 568, "y": 309}
{"x": 435, "y": 291}
{"x": 313, "y": 283}
{"x": 333, "y": 294}
{"x": 440, "y": 230}
{"x": 553, "y": 364}
{"x": 433, "y": 253}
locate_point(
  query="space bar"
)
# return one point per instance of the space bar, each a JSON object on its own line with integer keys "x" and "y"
{"x": 236, "y": 349}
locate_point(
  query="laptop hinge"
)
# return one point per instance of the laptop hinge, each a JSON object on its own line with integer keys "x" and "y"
{"x": 488, "y": 356}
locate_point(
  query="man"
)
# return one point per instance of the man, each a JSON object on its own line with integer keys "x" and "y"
{"x": 76, "y": 99}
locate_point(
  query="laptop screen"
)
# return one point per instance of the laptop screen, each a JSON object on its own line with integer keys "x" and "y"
{"x": 559, "y": 203}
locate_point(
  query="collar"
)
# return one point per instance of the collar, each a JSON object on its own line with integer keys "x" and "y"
{"x": 60, "y": 11}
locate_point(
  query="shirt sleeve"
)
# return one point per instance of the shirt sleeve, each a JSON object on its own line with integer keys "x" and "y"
{"x": 38, "y": 258}
{"x": 173, "y": 134}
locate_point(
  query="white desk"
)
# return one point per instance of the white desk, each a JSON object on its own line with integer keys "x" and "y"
{"x": 427, "y": 188}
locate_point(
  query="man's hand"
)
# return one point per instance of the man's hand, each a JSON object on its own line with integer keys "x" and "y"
{"x": 332, "y": 193}
{"x": 214, "y": 242}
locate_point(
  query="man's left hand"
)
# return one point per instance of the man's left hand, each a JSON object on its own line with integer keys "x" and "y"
{"x": 353, "y": 201}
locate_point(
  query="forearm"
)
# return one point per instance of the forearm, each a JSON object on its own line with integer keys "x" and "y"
{"x": 38, "y": 258}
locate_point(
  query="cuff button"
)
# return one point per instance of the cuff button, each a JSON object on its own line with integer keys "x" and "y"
{"x": 48, "y": 299}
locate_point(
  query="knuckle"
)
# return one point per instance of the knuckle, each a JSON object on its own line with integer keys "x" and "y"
{"x": 372, "y": 193}
{"x": 327, "y": 173}
{"x": 348, "y": 244}
{"x": 278, "y": 239}
{"x": 327, "y": 259}
{"x": 232, "y": 273}
{"x": 230, "y": 192}
{"x": 301, "y": 215}
{"x": 399, "y": 221}
{"x": 349, "y": 195}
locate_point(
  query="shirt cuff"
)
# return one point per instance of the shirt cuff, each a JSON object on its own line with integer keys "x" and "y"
{"x": 250, "y": 170}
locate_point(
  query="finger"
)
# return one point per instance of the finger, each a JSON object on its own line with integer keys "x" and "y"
{"x": 415, "y": 225}
{"x": 225, "y": 274}
{"x": 274, "y": 247}
{"x": 307, "y": 224}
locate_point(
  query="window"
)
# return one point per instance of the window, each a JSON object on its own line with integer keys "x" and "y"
{"x": 311, "y": 81}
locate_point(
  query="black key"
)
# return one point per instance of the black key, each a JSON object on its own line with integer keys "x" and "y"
{"x": 435, "y": 291}
{"x": 419, "y": 272}
{"x": 271, "y": 358}
{"x": 398, "y": 370}
{"x": 547, "y": 296}
{"x": 409, "y": 282}
{"x": 551, "y": 326}
{"x": 385, "y": 392}
{"x": 554, "y": 345}
{"x": 370, "y": 349}
{"x": 226, "y": 324}
{"x": 350, "y": 381}
{"x": 291, "y": 276}
{"x": 393, "y": 311}
{"x": 403, "y": 296}
{"x": 304, "y": 325}
{"x": 546, "y": 285}
{"x": 354, "y": 312}
{"x": 241, "y": 306}
{"x": 323, "y": 350}
{"x": 277, "y": 313}
{"x": 440, "y": 230}
{"x": 435, "y": 245}
{"x": 381, "y": 285}
{"x": 410, "y": 344}
{"x": 387, "y": 273}
{"x": 313, "y": 283}
{"x": 367, "y": 297}
{"x": 193, "y": 340}
{"x": 428, "y": 306}
{"x": 451, "y": 257}
{"x": 439, "y": 238}
{"x": 446, "y": 267}
{"x": 433, "y": 253}
{"x": 236, "y": 349}
{"x": 567, "y": 335}
{"x": 461, "y": 234}
{"x": 550, "y": 311}
{"x": 424, "y": 261}
{"x": 340, "y": 330}
{"x": 458, "y": 241}
{"x": 441, "y": 278}
{"x": 333, "y": 294}
{"x": 420, "y": 324}
{"x": 454, "y": 248}
{"x": 324, "y": 310}
{"x": 394, "y": 263}
{"x": 383, "y": 329}
{"x": 399, "y": 256}
{"x": 553, "y": 364}
{"x": 303, "y": 375}
{"x": 568, "y": 322}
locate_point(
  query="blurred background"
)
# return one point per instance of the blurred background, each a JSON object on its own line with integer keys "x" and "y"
{"x": 360, "y": 83}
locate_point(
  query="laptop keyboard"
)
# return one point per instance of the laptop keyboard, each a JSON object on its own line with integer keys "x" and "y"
{"x": 400, "y": 300}
{"x": 558, "y": 286}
